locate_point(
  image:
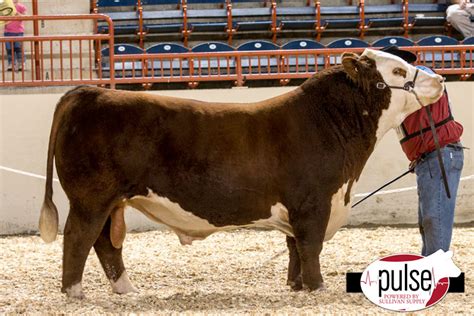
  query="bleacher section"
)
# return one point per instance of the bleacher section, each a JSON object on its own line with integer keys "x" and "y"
{"x": 271, "y": 60}
{"x": 149, "y": 21}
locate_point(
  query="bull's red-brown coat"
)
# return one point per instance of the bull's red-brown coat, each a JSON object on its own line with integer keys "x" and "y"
{"x": 226, "y": 163}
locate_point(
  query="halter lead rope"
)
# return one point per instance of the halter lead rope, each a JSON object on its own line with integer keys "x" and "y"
{"x": 409, "y": 86}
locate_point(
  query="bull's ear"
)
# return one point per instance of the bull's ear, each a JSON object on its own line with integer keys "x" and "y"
{"x": 350, "y": 62}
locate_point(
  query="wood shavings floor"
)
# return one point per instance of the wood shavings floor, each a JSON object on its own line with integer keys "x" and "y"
{"x": 238, "y": 272}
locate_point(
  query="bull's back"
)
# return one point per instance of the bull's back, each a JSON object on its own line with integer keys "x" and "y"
{"x": 209, "y": 158}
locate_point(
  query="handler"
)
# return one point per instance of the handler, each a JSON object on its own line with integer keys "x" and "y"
{"x": 435, "y": 209}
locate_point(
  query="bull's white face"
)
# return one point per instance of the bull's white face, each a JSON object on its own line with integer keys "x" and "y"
{"x": 396, "y": 72}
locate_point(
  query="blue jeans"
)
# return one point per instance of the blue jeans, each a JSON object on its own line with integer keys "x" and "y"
{"x": 17, "y": 48}
{"x": 435, "y": 210}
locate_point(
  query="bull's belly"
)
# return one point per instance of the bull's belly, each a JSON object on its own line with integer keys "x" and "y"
{"x": 190, "y": 227}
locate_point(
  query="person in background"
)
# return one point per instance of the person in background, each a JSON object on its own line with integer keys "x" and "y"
{"x": 435, "y": 209}
{"x": 15, "y": 28}
{"x": 459, "y": 14}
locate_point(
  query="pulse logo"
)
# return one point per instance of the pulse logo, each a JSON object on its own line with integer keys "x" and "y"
{"x": 406, "y": 282}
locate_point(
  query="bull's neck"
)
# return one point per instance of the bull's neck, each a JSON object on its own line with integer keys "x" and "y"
{"x": 347, "y": 116}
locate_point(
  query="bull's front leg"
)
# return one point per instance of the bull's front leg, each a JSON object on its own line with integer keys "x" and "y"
{"x": 309, "y": 227}
{"x": 294, "y": 265}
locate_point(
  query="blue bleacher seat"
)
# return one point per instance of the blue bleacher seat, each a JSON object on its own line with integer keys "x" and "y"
{"x": 257, "y": 45}
{"x": 438, "y": 40}
{"x": 468, "y": 41}
{"x": 267, "y": 64}
{"x": 122, "y": 49}
{"x": 212, "y": 47}
{"x": 166, "y": 48}
{"x": 469, "y": 54}
{"x": 347, "y": 43}
{"x": 163, "y": 15}
{"x": 214, "y": 63}
{"x": 385, "y": 22}
{"x": 115, "y": 3}
{"x": 427, "y": 7}
{"x": 344, "y": 43}
{"x": 303, "y": 44}
{"x": 339, "y": 23}
{"x": 393, "y": 40}
{"x": 349, "y": 23}
{"x": 383, "y": 9}
{"x": 298, "y": 24}
{"x": 420, "y": 8}
{"x": 209, "y": 27}
{"x": 429, "y": 21}
{"x": 164, "y": 28}
{"x": 170, "y": 65}
{"x": 304, "y": 60}
{"x": 304, "y": 18}
{"x": 125, "y": 69}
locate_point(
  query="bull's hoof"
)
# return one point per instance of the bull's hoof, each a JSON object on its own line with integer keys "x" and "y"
{"x": 296, "y": 284}
{"x": 123, "y": 285}
{"x": 74, "y": 291}
{"x": 320, "y": 287}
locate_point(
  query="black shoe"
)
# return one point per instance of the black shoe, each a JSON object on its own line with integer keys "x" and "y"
{"x": 9, "y": 67}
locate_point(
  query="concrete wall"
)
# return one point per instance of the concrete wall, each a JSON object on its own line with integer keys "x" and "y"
{"x": 25, "y": 118}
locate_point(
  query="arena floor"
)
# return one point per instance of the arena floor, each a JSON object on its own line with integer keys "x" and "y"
{"x": 235, "y": 272}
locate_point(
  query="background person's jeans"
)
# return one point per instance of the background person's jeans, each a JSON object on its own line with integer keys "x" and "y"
{"x": 17, "y": 49}
{"x": 435, "y": 210}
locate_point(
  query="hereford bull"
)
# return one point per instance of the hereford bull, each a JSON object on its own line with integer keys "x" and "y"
{"x": 288, "y": 163}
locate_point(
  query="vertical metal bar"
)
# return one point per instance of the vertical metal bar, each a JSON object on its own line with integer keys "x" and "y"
{"x": 162, "y": 67}
{"x": 51, "y": 59}
{"x": 209, "y": 66}
{"x": 41, "y": 56}
{"x": 3, "y": 61}
{"x": 61, "y": 67}
{"x": 36, "y": 33}
{"x": 80, "y": 59}
{"x": 297, "y": 64}
{"x": 90, "y": 58}
{"x": 33, "y": 70}
{"x": 171, "y": 68}
{"x": 442, "y": 59}
{"x": 133, "y": 68}
{"x": 99, "y": 45}
{"x": 22, "y": 62}
{"x": 238, "y": 70}
{"x": 70, "y": 60}
{"x": 123, "y": 67}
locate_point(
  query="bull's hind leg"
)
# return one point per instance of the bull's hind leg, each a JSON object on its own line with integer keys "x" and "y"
{"x": 294, "y": 265}
{"x": 82, "y": 228}
{"x": 110, "y": 256}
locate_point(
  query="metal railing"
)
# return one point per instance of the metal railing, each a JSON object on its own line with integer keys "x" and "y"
{"x": 46, "y": 60}
{"x": 283, "y": 65}
{"x": 76, "y": 59}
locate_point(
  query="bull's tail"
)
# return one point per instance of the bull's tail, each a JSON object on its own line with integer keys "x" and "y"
{"x": 48, "y": 222}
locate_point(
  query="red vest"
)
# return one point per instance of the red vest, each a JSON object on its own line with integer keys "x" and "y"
{"x": 415, "y": 133}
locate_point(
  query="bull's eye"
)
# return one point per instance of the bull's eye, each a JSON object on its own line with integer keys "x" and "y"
{"x": 400, "y": 72}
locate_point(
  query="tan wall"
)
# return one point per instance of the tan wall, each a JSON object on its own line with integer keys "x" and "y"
{"x": 47, "y": 7}
{"x": 25, "y": 118}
